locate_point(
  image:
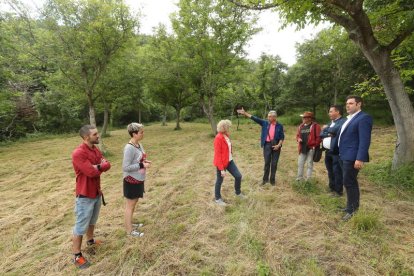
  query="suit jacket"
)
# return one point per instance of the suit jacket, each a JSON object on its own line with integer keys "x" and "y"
{"x": 355, "y": 138}
{"x": 333, "y": 132}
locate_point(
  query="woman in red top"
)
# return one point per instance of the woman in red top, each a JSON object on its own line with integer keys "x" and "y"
{"x": 223, "y": 160}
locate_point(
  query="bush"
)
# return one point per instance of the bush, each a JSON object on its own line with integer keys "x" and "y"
{"x": 381, "y": 173}
{"x": 365, "y": 221}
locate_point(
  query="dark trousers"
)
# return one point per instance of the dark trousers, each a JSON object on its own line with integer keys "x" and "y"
{"x": 271, "y": 158}
{"x": 334, "y": 172}
{"x": 234, "y": 171}
{"x": 350, "y": 181}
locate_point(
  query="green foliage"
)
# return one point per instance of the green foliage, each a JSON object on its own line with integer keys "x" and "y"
{"x": 213, "y": 34}
{"x": 58, "y": 113}
{"x": 382, "y": 174}
{"x": 307, "y": 187}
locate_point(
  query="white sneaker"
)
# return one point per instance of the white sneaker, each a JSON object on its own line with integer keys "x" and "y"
{"x": 241, "y": 196}
{"x": 137, "y": 225}
{"x": 220, "y": 202}
{"x": 135, "y": 233}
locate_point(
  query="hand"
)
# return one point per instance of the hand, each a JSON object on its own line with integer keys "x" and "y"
{"x": 147, "y": 164}
{"x": 276, "y": 147}
{"x": 324, "y": 126}
{"x": 241, "y": 111}
{"x": 105, "y": 165}
{"x": 223, "y": 174}
{"x": 299, "y": 140}
{"x": 358, "y": 164}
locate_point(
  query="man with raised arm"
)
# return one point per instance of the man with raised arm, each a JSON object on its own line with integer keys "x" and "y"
{"x": 271, "y": 140}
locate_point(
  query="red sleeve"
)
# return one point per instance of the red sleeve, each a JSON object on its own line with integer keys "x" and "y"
{"x": 318, "y": 138}
{"x": 81, "y": 162}
{"x": 218, "y": 152}
{"x": 298, "y": 132}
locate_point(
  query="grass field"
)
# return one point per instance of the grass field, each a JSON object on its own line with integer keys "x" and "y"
{"x": 292, "y": 229}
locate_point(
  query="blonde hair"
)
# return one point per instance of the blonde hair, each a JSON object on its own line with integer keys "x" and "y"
{"x": 223, "y": 125}
{"x": 134, "y": 128}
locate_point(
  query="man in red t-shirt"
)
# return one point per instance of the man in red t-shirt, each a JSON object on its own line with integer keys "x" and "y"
{"x": 88, "y": 164}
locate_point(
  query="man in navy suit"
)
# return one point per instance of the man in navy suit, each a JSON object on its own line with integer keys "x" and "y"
{"x": 354, "y": 140}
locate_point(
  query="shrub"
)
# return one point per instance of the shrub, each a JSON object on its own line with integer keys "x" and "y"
{"x": 365, "y": 221}
{"x": 382, "y": 174}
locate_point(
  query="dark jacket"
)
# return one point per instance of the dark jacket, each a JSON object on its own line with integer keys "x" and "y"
{"x": 279, "y": 133}
{"x": 333, "y": 132}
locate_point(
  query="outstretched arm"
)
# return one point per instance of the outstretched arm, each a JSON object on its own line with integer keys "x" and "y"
{"x": 254, "y": 118}
{"x": 244, "y": 112}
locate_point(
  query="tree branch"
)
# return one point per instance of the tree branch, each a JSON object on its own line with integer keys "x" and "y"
{"x": 258, "y": 7}
{"x": 400, "y": 38}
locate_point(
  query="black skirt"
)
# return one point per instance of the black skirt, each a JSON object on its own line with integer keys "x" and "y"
{"x": 133, "y": 191}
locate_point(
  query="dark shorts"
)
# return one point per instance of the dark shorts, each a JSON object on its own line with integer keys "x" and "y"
{"x": 133, "y": 191}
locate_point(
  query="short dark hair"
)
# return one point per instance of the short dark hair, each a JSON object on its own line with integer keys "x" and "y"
{"x": 338, "y": 108}
{"x": 86, "y": 130}
{"x": 357, "y": 99}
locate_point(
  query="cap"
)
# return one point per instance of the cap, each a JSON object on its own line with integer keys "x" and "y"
{"x": 308, "y": 114}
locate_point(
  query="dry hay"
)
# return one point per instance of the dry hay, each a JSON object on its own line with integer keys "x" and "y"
{"x": 276, "y": 229}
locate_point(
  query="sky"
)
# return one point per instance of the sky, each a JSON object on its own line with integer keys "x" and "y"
{"x": 271, "y": 40}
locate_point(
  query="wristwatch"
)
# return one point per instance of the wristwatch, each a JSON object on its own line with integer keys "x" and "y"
{"x": 98, "y": 167}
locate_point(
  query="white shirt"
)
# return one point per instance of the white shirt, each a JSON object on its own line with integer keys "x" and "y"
{"x": 229, "y": 144}
{"x": 349, "y": 119}
{"x": 326, "y": 142}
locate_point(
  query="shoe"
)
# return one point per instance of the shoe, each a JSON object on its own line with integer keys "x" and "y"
{"x": 345, "y": 210}
{"x": 94, "y": 242}
{"x": 273, "y": 183}
{"x": 135, "y": 233}
{"x": 335, "y": 194}
{"x": 80, "y": 262}
{"x": 137, "y": 225}
{"x": 220, "y": 202}
{"x": 299, "y": 179}
{"x": 241, "y": 196}
{"x": 347, "y": 216}
{"x": 264, "y": 182}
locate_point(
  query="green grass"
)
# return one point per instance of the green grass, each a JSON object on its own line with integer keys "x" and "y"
{"x": 402, "y": 178}
{"x": 366, "y": 221}
{"x": 308, "y": 187}
{"x": 291, "y": 229}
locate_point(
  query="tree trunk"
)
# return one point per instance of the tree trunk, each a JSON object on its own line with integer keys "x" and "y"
{"x": 92, "y": 117}
{"x": 178, "y": 111}
{"x": 164, "y": 116}
{"x": 106, "y": 121}
{"x": 208, "y": 110}
{"x": 401, "y": 108}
